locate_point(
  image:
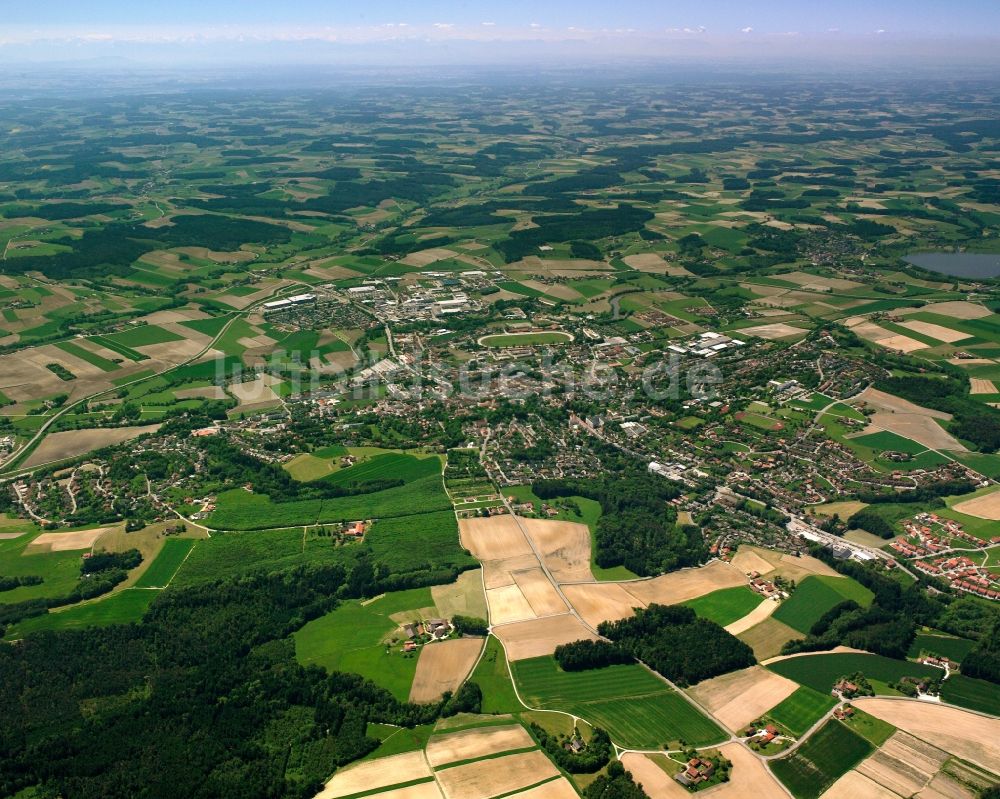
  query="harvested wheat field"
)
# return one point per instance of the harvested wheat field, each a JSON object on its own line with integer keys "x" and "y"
{"x": 381, "y": 773}
{"x": 978, "y": 385}
{"x": 680, "y": 586}
{"x": 767, "y": 638}
{"x": 476, "y": 743}
{"x": 964, "y": 734}
{"x": 508, "y": 604}
{"x": 70, "y": 443}
{"x": 443, "y": 666}
{"x": 427, "y": 257}
{"x": 597, "y": 602}
{"x": 772, "y": 331}
{"x": 464, "y": 597}
{"x": 957, "y": 309}
{"x": 845, "y": 508}
{"x": 903, "y": 764}
{"x": 539, "y": 592}
{"x": 882, "y": 401}
{"x": 767, "y": 561}
{"x": 647, "y": 262}
{"x": 836, "y": 650}
{"x": 857, "y": 786}
{"x": 553, "y": 789}
{"x": 494, "y": 538}
{"x": 498, "y": 573}
{"x": 654, "y": 780}
{"x": 565, "y": 548}
{"x": 939, "y": 332}
{"x": 984, "y": 507}
{"x": 917, "y": 427}
{"x": 537, "y": 637}
{"x": 423, "y": 790}
{"x": 500, "y": 775}
{"x": 742, "y": 696}
{"x": 754, "y": 617}
{"x": 750, "y": 776}
{"x": 67, "y": 542}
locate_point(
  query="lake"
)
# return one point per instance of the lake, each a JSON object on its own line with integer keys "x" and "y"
{"x": 958, "y": 264}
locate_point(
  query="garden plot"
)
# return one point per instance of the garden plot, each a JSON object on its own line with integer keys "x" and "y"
{"x": 740, "y": 697}
{"x": 443, "y": 666}
{"x": 537, "y": 637}
{"x": 496, "y": 776}
{"x": 476, "y": 743}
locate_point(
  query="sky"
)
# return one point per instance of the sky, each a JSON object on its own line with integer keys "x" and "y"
{"x": 425, "y": 30}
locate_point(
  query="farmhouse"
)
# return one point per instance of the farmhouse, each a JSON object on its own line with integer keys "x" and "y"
{"x": 698, "y": 770}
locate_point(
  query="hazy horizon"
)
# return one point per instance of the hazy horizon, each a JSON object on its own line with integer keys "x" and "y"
{"x": 516, "y": 33}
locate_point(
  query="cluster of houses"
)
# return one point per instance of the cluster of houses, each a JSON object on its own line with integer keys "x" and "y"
{"x": 921, "y": 528}
{"x": 418, "y": 632}
{"x": 761, "y": 735}
{"x": 961, "y": 572}
{"x": 842, "y": 713}
{"x": 697, "y": 771}
{"x": 766, "y": 588}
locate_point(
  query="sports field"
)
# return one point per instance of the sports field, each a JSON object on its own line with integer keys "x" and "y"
{"x": 816, "y": 595}
{"x": 635, "y": 706}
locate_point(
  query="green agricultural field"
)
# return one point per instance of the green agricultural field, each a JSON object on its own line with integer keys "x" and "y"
{"x": 726, "y": 605}
{"x": 119, "y": 347}
{"x": 821, "y": 671}
{"x": 972, "y": 693}
{"x": 60, "y": 571}
{"x": 143, "y": 336}
{"x": 804, "y": 707}
{"x": 526, "y": 339}
{"x": 162, "y": 570}
{"x": 867, "y": 726}
{"x": 884, "y": 441}
{"x": 493, "y": 677}
{"x": 235, "y": 553}
{"x": 238, "y": 510}
{"x": 122, "y": 607}
{"x": 827, "y": 755}
{"x": 815, "y": 595}
{"x": 391, "y": 466}
{"x": 635, "y": 706}
{"x": 357, "y": 638}
{"x": 949, "y": 646}
{"x": 407, "y": 543}
{"x": 86, "y": 355}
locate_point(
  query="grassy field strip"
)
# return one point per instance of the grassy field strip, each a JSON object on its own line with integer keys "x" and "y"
{"x": 166, "y": 565}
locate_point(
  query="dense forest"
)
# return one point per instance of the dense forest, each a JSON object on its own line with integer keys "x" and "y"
{"x": 587, "y": 654}
{"x": 203, "y": 698}
{"x": 637, "y": 528}
{"x": 616, "y": 783}
{"x": 673, "y": 641}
